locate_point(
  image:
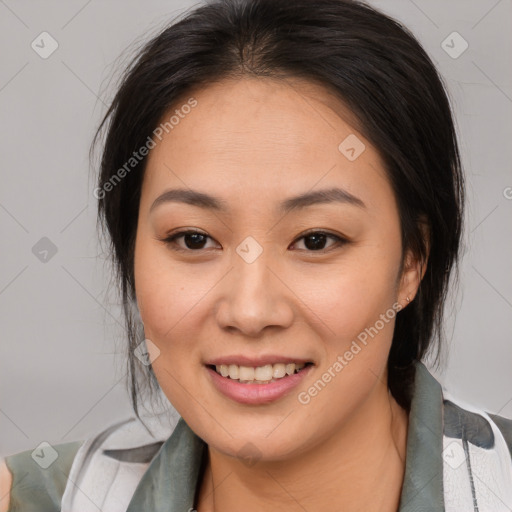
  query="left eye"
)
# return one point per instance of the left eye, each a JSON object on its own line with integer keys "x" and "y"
{"x": 314, "y": 241}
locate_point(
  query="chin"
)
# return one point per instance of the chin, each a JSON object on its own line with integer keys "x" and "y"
{"x": 265, "y": 444}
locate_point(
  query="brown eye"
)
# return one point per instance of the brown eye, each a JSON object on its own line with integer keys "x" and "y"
{"x": 194, "y": 240}
{"x": 315, "y": 241}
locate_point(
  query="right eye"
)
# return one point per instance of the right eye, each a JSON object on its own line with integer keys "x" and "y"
{"x": 194, "y": 240}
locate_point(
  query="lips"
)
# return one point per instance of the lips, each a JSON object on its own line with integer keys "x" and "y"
{"x": 257, "y": 394}
{"x": 255, "y": 384}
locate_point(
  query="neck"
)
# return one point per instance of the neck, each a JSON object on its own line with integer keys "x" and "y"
{"x": 361, "y": 467}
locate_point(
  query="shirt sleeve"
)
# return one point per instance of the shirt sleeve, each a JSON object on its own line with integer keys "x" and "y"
{"x": 39, "y": 477}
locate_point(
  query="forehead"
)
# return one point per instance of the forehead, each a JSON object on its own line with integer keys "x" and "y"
{"x": 264, "y": 138}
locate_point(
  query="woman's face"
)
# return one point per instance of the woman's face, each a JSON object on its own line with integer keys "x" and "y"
{"x": 270, "y": 279}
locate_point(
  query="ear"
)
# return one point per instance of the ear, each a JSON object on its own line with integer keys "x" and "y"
{"x": 414, "y": 268}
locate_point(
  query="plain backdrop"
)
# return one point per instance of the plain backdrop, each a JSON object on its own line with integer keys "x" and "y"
{"x": 60, "y": 377}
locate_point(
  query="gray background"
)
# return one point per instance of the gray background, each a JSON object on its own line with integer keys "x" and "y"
{"x": 60, "y": 377}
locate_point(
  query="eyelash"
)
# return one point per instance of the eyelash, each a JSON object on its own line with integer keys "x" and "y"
{"x": 171, "y": 240}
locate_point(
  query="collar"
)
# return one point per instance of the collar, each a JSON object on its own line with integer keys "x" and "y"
{"x": 169, "y": 484}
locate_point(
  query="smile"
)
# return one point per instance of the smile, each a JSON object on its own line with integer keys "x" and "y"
{"x": 258, "y": 385}
{"x": 259, "y": 374}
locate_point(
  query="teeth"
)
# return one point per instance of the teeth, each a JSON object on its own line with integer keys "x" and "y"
{"x": 263, "y": 372}
{"x": 278, "y": 370}
{"x": 233, "y": 371}
{"x": 260, "y": 374}
{"x": 246, "y": 373}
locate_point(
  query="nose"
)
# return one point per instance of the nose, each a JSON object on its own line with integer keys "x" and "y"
{"x": 254, "y": 297}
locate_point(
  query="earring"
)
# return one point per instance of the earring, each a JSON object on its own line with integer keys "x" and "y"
{"x": 407, "y": 299}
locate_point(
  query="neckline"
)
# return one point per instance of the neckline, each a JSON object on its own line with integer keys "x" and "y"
{"x": 171, "y": 480}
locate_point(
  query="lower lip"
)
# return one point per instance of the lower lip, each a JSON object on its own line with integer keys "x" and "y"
{"x": 255, "y": 394}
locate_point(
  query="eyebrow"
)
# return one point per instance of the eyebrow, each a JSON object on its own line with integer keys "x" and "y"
{"x": 206, "y": 201}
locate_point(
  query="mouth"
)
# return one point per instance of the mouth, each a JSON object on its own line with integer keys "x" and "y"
{"x": 265, "y": 374}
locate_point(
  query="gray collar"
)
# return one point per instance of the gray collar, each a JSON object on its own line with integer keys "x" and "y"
{"x": 169, "y": 484}
{"x": 422, "y": 489}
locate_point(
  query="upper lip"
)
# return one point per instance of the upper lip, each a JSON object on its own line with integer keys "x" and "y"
{"x": 242, "y": 360}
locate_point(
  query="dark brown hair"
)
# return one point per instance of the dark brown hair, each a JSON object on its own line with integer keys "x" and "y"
{"x": 376, "y": 68}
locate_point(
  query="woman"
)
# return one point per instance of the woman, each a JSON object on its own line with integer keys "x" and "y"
{"x": 281, "y": 185}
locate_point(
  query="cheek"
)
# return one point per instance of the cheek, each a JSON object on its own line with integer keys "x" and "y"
{"x": 169, "y": 300}
{"x": 352, "y": 295}
{"x": 166, "y": 292}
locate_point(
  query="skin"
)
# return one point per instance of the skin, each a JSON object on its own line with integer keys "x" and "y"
{"x": 5, "y": 486}
{"x": 255, "y": 142}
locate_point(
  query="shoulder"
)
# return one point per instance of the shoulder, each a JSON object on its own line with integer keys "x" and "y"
{"x": 477, "y": 456}
{"x": 109, "y": 466}
{"x": 105, "y": 468}
{"x": 35, "y": 479}
{"x": 505, "y": 426}
{"x": 464, "y": 420}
